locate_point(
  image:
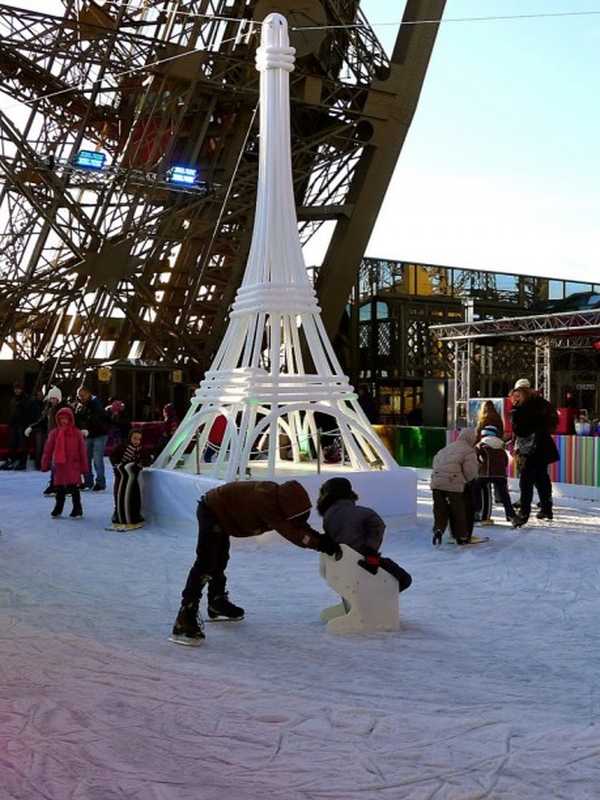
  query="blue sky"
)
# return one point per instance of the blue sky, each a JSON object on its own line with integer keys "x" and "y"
{"x": 501, "y": 168}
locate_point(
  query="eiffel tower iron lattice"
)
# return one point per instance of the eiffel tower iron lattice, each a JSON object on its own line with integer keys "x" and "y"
{"x": 260, "y": 381}
{"x": 117, "y": 263}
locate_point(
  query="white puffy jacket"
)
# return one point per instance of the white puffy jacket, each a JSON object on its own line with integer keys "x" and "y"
{"x": 456, "y": 464}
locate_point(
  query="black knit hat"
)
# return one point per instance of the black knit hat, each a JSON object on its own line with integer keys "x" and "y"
{"x": 338, "y": 488}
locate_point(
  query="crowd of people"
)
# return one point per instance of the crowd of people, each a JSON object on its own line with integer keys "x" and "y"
{"x": 472, "y": 472}
{"x": 468, "y": 475}
{"x": 70, "y": 438}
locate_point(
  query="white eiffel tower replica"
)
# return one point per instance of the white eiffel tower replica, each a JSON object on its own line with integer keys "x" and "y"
{"x": 275, "y": 368}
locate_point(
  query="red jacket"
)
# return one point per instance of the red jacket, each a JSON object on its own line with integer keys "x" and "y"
{"x": 67, "y": 455}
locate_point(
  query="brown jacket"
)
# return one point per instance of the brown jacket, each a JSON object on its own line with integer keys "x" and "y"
{"x": 249, "y": 508}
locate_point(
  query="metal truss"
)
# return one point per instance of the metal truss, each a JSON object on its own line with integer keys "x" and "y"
{"x": 568, "y": 323}
{"x": 120, "y": 264}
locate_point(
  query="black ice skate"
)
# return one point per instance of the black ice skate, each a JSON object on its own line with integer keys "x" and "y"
{"x": 59, "y": 504}
{"x": 187, "y": 629}
{"x": 77, "y": 511}
{"x": 221, "y": 610}
{"x": 437, "y": 537}
{"x": 545, "y": 515}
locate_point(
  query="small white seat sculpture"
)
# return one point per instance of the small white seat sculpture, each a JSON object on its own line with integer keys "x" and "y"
{"x": 371, "y": 601}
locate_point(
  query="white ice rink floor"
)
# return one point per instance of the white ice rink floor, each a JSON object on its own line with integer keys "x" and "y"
{"x": 490, "y": 690}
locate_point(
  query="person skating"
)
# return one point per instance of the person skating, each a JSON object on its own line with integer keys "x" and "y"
{"x": 243, "y": 508}
{"x": 533, "y": 421}
{"x": 66, "y": 453}
{"x": 493, "y": 464}
{"x": 46, "y": 423}
{"x": 93, "y": 422}
{"x": 454, "y": 467}
{"x": 127, "y": 461}
{"x": 359, "y": 527}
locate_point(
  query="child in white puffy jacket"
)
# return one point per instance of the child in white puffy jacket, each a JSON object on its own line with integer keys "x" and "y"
{"x": 454, "y": 467}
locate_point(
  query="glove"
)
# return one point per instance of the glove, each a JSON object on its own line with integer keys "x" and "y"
{"x": 371, "y": 562}
{"x": 329, "y": 547}
{"x": 85, "y": 434}
{"x": 27, "y": 432}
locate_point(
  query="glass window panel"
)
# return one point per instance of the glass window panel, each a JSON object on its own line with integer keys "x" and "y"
{"x": 507, "y": 283}
{"x": 364, "y": 312}
{"x": 573, "y": 287}
{"x": 382, "y": 310}
{"x": 556, "y": 290}
{"x": 461, "y": 282}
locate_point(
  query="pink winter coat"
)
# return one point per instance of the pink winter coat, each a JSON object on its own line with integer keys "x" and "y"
{"x": 66, "y": 451}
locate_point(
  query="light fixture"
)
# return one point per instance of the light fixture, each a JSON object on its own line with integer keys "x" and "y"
{"x": 90, "y": 159}
{"x": 183, "y": 176}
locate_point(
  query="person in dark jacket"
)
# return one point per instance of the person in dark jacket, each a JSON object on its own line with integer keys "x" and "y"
{"x": 240, "y": 508}
{"x": 493, "y": 464}
{"x": 19, "y": 417}
{"x": 93, "y": 422}
{"x": 359, "y": 527}
{"x": 127, "y": 461}
{"x": 45, "y": 423}
{"x": 533, "y": 421}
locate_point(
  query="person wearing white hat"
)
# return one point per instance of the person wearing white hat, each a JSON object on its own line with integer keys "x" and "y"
{"x": 522, "y": 383}
{"x": 47, "y": 422}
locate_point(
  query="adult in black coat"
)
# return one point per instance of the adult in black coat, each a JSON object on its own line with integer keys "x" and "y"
{"x": 19, "y": 417}
{"x": 533, "y": 421}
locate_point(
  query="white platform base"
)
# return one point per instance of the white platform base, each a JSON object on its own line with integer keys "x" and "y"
{"x": 171, "y": 495}
{"x": 372, "y": 600}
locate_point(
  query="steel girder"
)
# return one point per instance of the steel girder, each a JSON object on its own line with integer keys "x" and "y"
{"x": 537, "y": 325}
{"x": 94, "y": 261}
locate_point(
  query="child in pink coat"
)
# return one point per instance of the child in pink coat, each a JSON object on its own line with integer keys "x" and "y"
{"x": 66, "y": 452}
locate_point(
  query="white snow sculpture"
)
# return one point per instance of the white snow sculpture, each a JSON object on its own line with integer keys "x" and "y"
{"x": 275, "y": 367}
{"x": 370, "y": 602}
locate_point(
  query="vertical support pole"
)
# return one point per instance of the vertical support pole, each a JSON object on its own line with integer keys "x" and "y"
{"x": 318, "y": 451}
{"x": 543, "y": 367}
{"x": 462, "y": 378}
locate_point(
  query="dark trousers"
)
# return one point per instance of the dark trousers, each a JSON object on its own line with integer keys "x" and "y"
{"x": 212, "y": 556}
{"x": 535, "y": 473}
{"x": 483, "y": 498}
{"x": 454, "y": 508}
{"x": 61, "y": 494}
{"x": 402, "y": 576}
{"x": 17, "y": 445}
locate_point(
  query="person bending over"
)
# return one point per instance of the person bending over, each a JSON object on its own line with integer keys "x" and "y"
{"x": 240, "y": 508}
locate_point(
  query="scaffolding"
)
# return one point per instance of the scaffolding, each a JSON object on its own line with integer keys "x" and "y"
{"x": 570, "y": 329}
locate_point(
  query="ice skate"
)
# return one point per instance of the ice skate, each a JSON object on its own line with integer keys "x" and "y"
{"x": 220, "y": 609}
{"x": 548, "y": 515}
{"x": 437, "y": 537}
{"x": 58, "y": 505}
{"x": 187, "y": 629}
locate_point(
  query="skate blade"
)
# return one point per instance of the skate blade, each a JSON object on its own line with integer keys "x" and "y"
{"x": 185, "y": 641}
{"x": 124, "y": 528}
{"x": 224, "y": 619}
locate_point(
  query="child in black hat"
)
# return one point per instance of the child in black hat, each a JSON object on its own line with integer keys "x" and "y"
{"x": 358, "y": 527}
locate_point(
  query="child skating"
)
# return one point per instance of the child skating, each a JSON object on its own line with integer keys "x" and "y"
{"x": 127, "y": 464}
{"x": 359, "y": 527}
{"x": 66, "y": 453}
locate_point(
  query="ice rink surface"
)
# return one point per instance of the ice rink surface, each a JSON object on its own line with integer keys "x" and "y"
{"x": 490, "y": 690}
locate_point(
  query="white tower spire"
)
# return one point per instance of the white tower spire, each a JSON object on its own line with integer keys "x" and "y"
{"x": 275, "y": 367}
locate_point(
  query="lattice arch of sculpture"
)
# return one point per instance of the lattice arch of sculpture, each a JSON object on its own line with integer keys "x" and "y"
{"x": 258, "y": 380}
